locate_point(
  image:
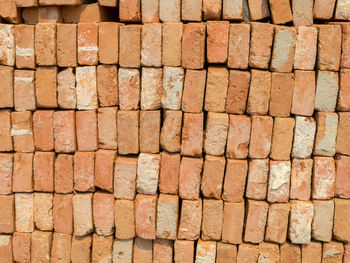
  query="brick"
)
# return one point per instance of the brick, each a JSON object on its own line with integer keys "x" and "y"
{"x": 304, "y": 134}
{"x": 170, "y": 134}
{"x": 169, "y": 173}
{"x": 84, "y": 170}
{"x": 6, "y": 170}
{"x": 233, "y": 220}
{"x": 329, "y": 47}
{"x": 323, "y": 178}
{"x": 104, "y": 165}
{"x": 162, "y": 250}
{"x": 303, "y": 93}
{"x": 9, "y": 12}
{"x": 172, "y": 88}
{"x": 45, "y": 44}
{"x": 169, "y": 11}
{"x": 42, "y": 14}
{"x": 122, "y": 251}
{"x": 341, "y": 11}
{"x": 101, "y": 248}
{"x": 5, "y": 131}
{"x": 238, "y": 137}
{"x": 341, "y": 230}
{"x": 108, "y": 42}
{"x": 24, "y": 37}
{"x": 64, "y": 131}
{"x": 145, "y": 216}
{"x": 22, "y": 172}
{"x": 107, "y": 128}
{"x": 81, "y": 249}
{"x": 193, "y": 93}
{"x": 44, "y": 171}
{"x": 260, "y": 43}
{"x": 184, "y": 251}
{"x": 172, "y": 44}
{"x": 268, "y": 252}
{"x": 167, "y": 216}
{"x": 130, "y": 45}
{"x": 66, "y": 89}
{"x": 342, "y": 143}
{"x": 247, "y": 253}
{"x": 82, "y": 213}
{"x": 191, "y": 219}
{"x": 305, "y": 48}
{"x": 277, "y": 223}
{"x": 23, "y": 90}
{"x": 212, "y": 9}
{"x": 46, "y": 87}
{"x": 327, "y": 124}
{"x": 192, "y": 134}
{"x": 341, "y": 181}
{"x": 191, "y": 10}
{"x": 345, "y": 63}
{"x": 24, "y": 211}
{"x": 225, "y": 252}
{"x": 257, "y": 179}
{"x": 150, "y": 11}
{"x": 344, "y": 91}
{"x": 260, "y": 138}
{"x": 281, "y": 12}
{"x": 259, "y": 92}
{"x": 216, "y": 133}
{"x": 217, "y": 41}
{"x": 63, "y": 213}
{"x": 301, "y": 215}
{"x": 147, "y": 173}
{"x": 232, "y": 10}
{"x": 238, "y": 46}
{"x": 149, "y": 131}
{"x": 7, "y": 210}
{"x": 326, "y": 91}
{"x": 323, "y": 9}
{"x": 190, "y": 177}
{"x": 346, "y": 253}
{"x": 279, "y": 181}
{"x": 129, "y": 88}
{"x": 235, "y": 180}
{"x": 103, "y": 213}
{"x": 43, "y": 218}
{"x": 311, "y": 252}
{"x": 130, "y": 11}
{"x": 216, "y": 89}
{"x": 124, "y": 216}
{"x": 322, "y": 224}
{"x": 290, "y": 253}
{"x": 282, "y": 138}
{"x": 300, "y": 181}
{"x": 255, "y": 221}
{"x": 66, "y": 45}
{"x": 151, "y": 44}
{"x": 332, "y": 251}
{"x": 6, "y": 87}
{"x": 151, "y": 88}
{"x": 21, "y": 243}
{"x": 41, "y": 246}
{"x": 22, "y": 131}
{"x": 61, "y": 247}
{"x": 7, "y": 50}
{"x": 43, "y": 130}
{"x": 60, "y": 2}
{"x": 281, "y": 94}
{"x": 212, "y": 225}
{"x": 6, "y": 248}
{"x": 142, "y": 250}
{"x": 193, "y": 45}
{"x": 26, "y": 3}
{"x": 302, "y": 12}
{"x": 87, "y": 42}
{"x": 86, "y": 127}
{"x": 213, "y": 175}
{"x": 87, "y": 13}
{"x": 205, "y": 251}
{"x": 125, "y": 177}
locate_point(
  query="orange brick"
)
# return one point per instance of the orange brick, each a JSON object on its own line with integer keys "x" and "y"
{"x": 125, "y": 177}
{"x": 86, "y": 88}
{"x": 342, "y": 188}
{"x": 41, "y": 246}
{"x": 45, "y": 44}
{"x": 258, "y": 9}
{"x": 232, "y": 10}
{"x": 151, "y": 88}
{"x": 87, "y": 41}
{"x": 82, "y": 213}
{"x": 301, "y": 179}
{"x": 130, "y": 45}
{"x": 130, "y": 11}
{"x": 212, "y": 9}
{"x": 323, "y": 178}
{"x": 183, "y": 251}
{"x": 193, "y": 94}
{"x": 129, "y": 88}
{"x": 217, "y": 41}
{"x": 108, "y": 42}
{"x": 213, "y": 175}
{"x": 215, "y": 135}
{"x": 107, "y": 85}
{"x": 237, "y": 92}
{"x": 172, "y": 88}
{"x": 345, "y": 63}
{"x": 332, "y": 252}
{"x": 64, "y": 173}
{"x": 344, "y": 91}
{"x": 247, "y": 253}
{"x": 192, "y": 134}
{"x": 101, "y": 248}
{"x": 281, "y": 94}
{"x": 342, "y": 143}
{"x": 103, "y": 213}
{"x": 64, "y": 131}
{"x": 22, "y": 172}
{"x": 43, "y": 130}
{"x": 25, "y": 57}
{"x": 225, "y": 252}
{"x": 216, "y": 89}
{"x": 6, "y": 169}
{"x": 255, "y": 221}
{"x": 151, "y": 45}
{"x": 86, "y": 123}
{"x": 44, "y": 171}
{"x": 84, "y": 171}
{"x": 26, "y": 3}
{"x": 142, "y": 250}
{"x": 323, "y": 9}
{"x": 22, "y": 131}
{"x": 281, "y": 12}
{"x": 232, "y": 225}
{"x": 124, "y": 217}
{"x": 305, "y": 48}
{"x": 145, "y": 216}
{"x": 63, "y": 213}
{"x": 6, "y": 87}
{"x": 191, "y": 10}
{"x": 24, "y": 90}
{"x": 42, "y": 14}
{"x": 238, "y": 47}
{"x": 6, "y": 248}
{"x": 190, "y": 221}
{"x": 190, "y": 177}
{"x": 81, "y": 248}
{"x": 87, "y": 13}
{"x": 162, "y": 250}
{"x": 107, "y": 128}
{"x": 60, "y": 2}
{"x": 66, "y": 89}
{"x": 193, "y": 45}
{"x": 341, "y": 230}
{"x": 43, "y": 219}
{"x": 169, "y": 173}
{"x": 170, "y": 135}
{"x": 282, "y": 138}
{"x": 269, "y": 251}
{"x": 302, "y": 12}
{"x": 260, "y": 138}
{"x": 8, "y": 53}
{"x": 21, "y": 243}
{"x": 7, "y": 210}
{"x": 61, "y": 247}
{"x": 66, "y": 45}
{"x": 149, "y": 131}
{"x": 150, "y": 11}
{"x": 171, "y": 44}
{"x": 128, "y": 132}
{"x": 238, "y": 137}
{"x": 46, "y": 87}
{"x": 277, "y": 223}
{"x": 6, "y": 144}
{"x": 311, "y": 252}
{"x": 235, "y": 180}
{"x": 212, "y": 225}
{"x": 104, "y": 166}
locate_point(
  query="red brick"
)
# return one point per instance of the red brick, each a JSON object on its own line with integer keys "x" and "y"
{"x": 149, "y": 131}
{"x": 215, "y": 134}
{"x": 150, "y": 11}
{"x": 22, "y": 172}
{"x": 129, "y": 88}
{"x": 238, "y": 137}
{"x": 82, "y": 212}
{"x": 257, "y": 179}
{"x": 45, "y": 44}
{"x": 151, "y": 88}
{"x": 84, "y": 171}
{"x": 41, "y": 246}
{"x": 323, "y": 9}
{"x": 44, "y": 171}
{"x": 63, "y": 213}
{"x": 255, "y": 221}
{"x": 43, "y": 219}
{"x": 142, "y": 250}
{"x": 24, "y": 211}
{"x": 247, "y": 253}
{"x": 192, "y": 134}
{"x": 145, "y": 216}
{"x": 212, "y": 9}
{"x": 281, "y": 12}
{"x": 300, "y": 181}
{"x": 232, "y": 226}
{"x": 341, "y": 227}
{"x": 151, "y": 45}
{"x": 64, "y": 131}
{"x": 238, "y": 47}
{"x": 345, "y": 63}
{"x": 193, "y": 46}
{"x": 235, "y": 180}
{"x": 342, "y": 187}
{"x": 21, "y": 243}
{"x": 258, "y": 9}
{"x": 107, "y": 85}
{"x": 107, "y": 128}
{"x": 104, "y": 165}
{"x": 193, "y": 94}
{"x": 86, "y": 123}
{"x": 281, "y": 94}
{"x": 101, "y": 248}
{"x": 24, "y": 35}
{"x": 7, "y": 210}
{"x": 260, "y": 138}
{"x": 125, "y": 177}
{"x": 103, "y": 213}
{"x": 190, "y": 177}
{"x": 323, "y": 178}
{"x": 87, "y": 13}
{"x": 22, "y": 131}
{"x": 86, "y": 88}
{"x": 61, "y": 247}
{"x": 213, "y": 175}
{"x": 81, "y": 249}
{"x": 46, "y": 87}
{"x": 130, "y": 11}
{"x": 342, "y": 144}
{"x": 190, "y": 220}
{"x": 128, "y": 125}
{"x": 24, "y": 90}
{"x": 6, "y": 169}
{"x": 64, "y": 173}
{"x": 217, "y": 41}
{"x": 66, "y": 45}
{"x": 311, "y": 252}
{"x": 87, "y": 41}
{"x": 124, "y": 217}
{"x": 8, "y": 53}
{"x": 171, "y": 44}
{"x": 169, "y": 173}
{"x": 212, "y": 225}
{"x": 184, "y": 251}
{"x": 66, "y": 89}
{"x": 344, "y": 91}
{"x": 282, "y": 138}
{"x": 290, "y": 253}
{"x": 130, "y": 45}
{"x": 162, "y": 251}
{"x": 305, "y": 48}
{"x": 6, "y": 87}
{"x": 43, "y": 130}
{"x": 171, "y": 131}
{"x": 277, "y": 223}
{"x": 108, "y": 42}
{"x": 5, "y": 131}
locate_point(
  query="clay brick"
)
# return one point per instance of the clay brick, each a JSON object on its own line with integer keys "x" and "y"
{"x": 169, "y": 11}
{"x": 43, "y": 130}
{"x": 81, "y": 249}
{"x": 342, "y": 187}
{"x": 281, "y": 94}
{"x": 205, "y": 251}
{"x": 130, "y": 11}
{"x": 26, "y": 3}
{"x": 342, "y": 144}
{"x": 42, "y": 14}
{"x": 341, "y": 11}
{"x": 190, "y": 177}
{"x": 213, "y": 175}
{"x": 193, "y": 93}
{"x": 217, "y": 41}
{"x": 225, "y": 252}
{"x": 24, "y": 91}
{"x": 64, "y": 173}
{"x": 41, "y": 244}
{"x": 304, "y": 134}
{"x": 87, "y": 42}
{"x": 184, "y": 251}
{"x": 101, "y": 248}
{"x": 6, "y": 169}
{"x": 127, "y": 127}
{"x": 22, "y": 131}
{"x": 303, "y": 93}
{"x": 260, "y": 138}
{"x": 279, "y": 181}
{"x": 7, "y": 210}
{"x": 86, "y": 127}
{"x": 45, "y": 44}
{"x": 300, "y": 180}
{"x": 6, "y": 248}
{"x": 212, "y": 9}
{"x": 24, "y": 36}
{"x": 212, "y": 225}
{"x": 323, "y": 178}
{"x": 10, "y": 12}
{"x": 193, "y": 45}
{"x": 346, "y": 257}
{"x": 269, "y": 252}
{"x": 170, "y": 134}
{"x": 21, "y": 243}
{"x": 305, "y": 48}
{"x": 82, "y": 212}
{"x": 237, "y": 93}
{"x": 129, "y": 88}
{"x": 277, "y": 223}
{"x": 327, "y": 124}
{"x": 344, "y": 91}
{"x": 260, "y": 43}
{"x": 149, "y": 131}
{"x": 322, "y": 223}
{"x": 66, "y": 90}
{"x": 151, "y": 88}
{"x": 326, "y": 90}
{"x": 191, "y": 10}
{"x": 103, "y": 213}
{"x": 232, "y": 225}
{"x": 232, "y": 10}
{"x": 22, "y": 172}
{"x": 216, "y": 133}
{"x": 60, "y": 2}
{"x": 192, "y": 134}
{"x": 63, "y": 213}
{"x": 290, "y": 253}
{"x": 104, "y": 164}
{"x": 345, "y": 63}
{"x": 150, "y": 11}
{"x": 281, "y": 12}
{"x": 5, "y": 131}
{"x": 151, "y": 45}
{"x": 107, "y": 128}
{"x": 169, "y": 173}
{"x": 46, "y": 87}
{"x": 302, "y": 12}
{"x": 191, "y": 219}
{"x": 247, "y": 253}
{"x": 238, "y": 45}
{"x": 7, "y": 52}
{"x": 64, "y": 131}
{"x": 44, "y": 171}
{"x": 332, "y": 252}
{"x": 341, "y": 229}
{"x": 145, "y": 216}
{"x": 172, "y": 88}
{"x": 108, "y": 42}
{"x": 147, "y": 173}
{"x": 61, "y": 247}
{"x": 255, "y": 221}
{"x": 311, "y": 252}
{"x": 323, "y": 9}
{"x": 130, "y": 45}
{"x": 24, "y": 211}
{"x": 87, "y": 13}
{"x": 301, "y": 214}
{"x": 172, "y": 44}
{"x": 7, "y": 88}
{"x": 257, "y": 179}
{"x": 125, "y": 177}
{"x": 216, "y": 89}
{"x": 142, "y": 250}
{"x": 235, "y": 180}
{"x": 66, "y": 45}
{"x": 43, "y": 219}
{"x": 259, "y": 92}
{"x": 122, "y": 251}
{"x": 238, "y": 137}
{"x": 282, "y": 138}
{"x": 162, "y": 250}
{"x": 84, "y": 170}
{"x": 124, "y": 216}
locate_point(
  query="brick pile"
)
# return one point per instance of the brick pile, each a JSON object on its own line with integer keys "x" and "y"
{"x": 175, "y": 131}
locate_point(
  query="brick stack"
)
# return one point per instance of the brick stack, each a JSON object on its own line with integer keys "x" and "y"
{"x": 172, "y": 131}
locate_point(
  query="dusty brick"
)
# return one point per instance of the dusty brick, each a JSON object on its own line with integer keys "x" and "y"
{"x": 326, "y": 90}
{"x": 6, "y": 171}
{"x": 24, "y": 37}
{"x": 9, "y": 12}
{"x": 7, "y": 210}
{"x": 43, "y": 130}
{"x": 323, "y": 9}
{"x": 213, "y": 175}
{"x": 5, "y": 131}
{"x": 247, "y": 253}
{"x": 24, "y": 211}
{"x": 82, "y": 213}
{"x": 344, "y": 91}
{"x": 233, "y": 220}
{"x": 45, "y": 44}
{"x": 122, "y": 251}
{"x": 332, "y": 252}
{"x": 191, "y": 219}
{"x": 171, "y": 131}
{"x": 191, "y": 10}
{"x": 193, "y": 45}
{"x": 46, "y": 87}
{"x": 260, "y": 138}
{"x": 193, "y": 93}
{"x": 66, "y": 45}
{"x": 169, "y": 173}
{"x": 43, "y": 218}
{"x": 64, "y": 173}
{"x": 149, "y": 131}
{"x": 21, "y": 243}
{"x": 86, "y": 127}
{"x": 64, "y": 131}
{"x": 345, "y": 63}
{"x": 7, "y": 88}
{"x": 217, "y": 41}
{"x": 205, "y": 251}
{"x": 212, "y": 225}
{"x": 257, "y": 179}
{"x": 322, "y": 223}
{"x": 279, "y": 181}
{"x": 300, "y": 181}
{"x": 63, "y": 213}
{"x": 238, "y": 137}
{"x": 192, "y": 134}
{"x": 22, "y": 172}
{"x": 172, "y": 44}
{"x": 26, "y": 3}
{"x": 7, "y": 37}
{"x": 145, "y": 216}
{"x": 311, "y": 252}
{"x": 212, "y": 9}
{"x": 103, "y": 213}
{"x": 235, "y": 180}
{"x": 130, "y": 11}
{"x": 327, "y": 124}
{"x": 151, "y": 88}
{"x": 129, "y": 88}
{"x": 302, "y": 12}
{"x": 290, "y": 253}
{"x": 104, "y": 165}
{"x": 255, "y": 221}
{"x": 150, "y": 11}
{"x": 142, "y": 250}
{"x": 66, "y": 89}
{"x": 124, "y": 217}
{"x": 101, "y": 248}
{"x": 281, "y": 12}
{"x": 342, "y": 187}
{"x": 301, "y": 215}
{"x": 125, "y": 177}
{"x": 22, "y": 131}
{"x": 41, "y": 244}
{"x": 147, "y": 173}
{"x": 84, "y": 170}
{"x": 232, "y": 10}
{"x": 304, "y": 134}
{"x": 305, "y": 48}
{"x": 107, "y": 128}
{"x": 151, "y": 45}
{"x": 169, "y": 11}
{"x": 87, "y": 43}
{"x": 162, "y": 250}
{"x": 238, "y": 45}
{"x": 342, "y": 143}
{"x": 341, "y": 229}
{"x": 277, "y": 223}
{"x": 108, "y": 42}
{"x": 61, "y": 247}
{"x": 282, "y": 138}
{"x": 225, "y": 252}
{"x": 216, "y": 133}
{"x": 130, "y": 45}
{"x": 184, "y": 251}
{"x": 190, "y": 177}
{"x": 44, "y": 171}
{"x": 281, "y": 94}
{"x": 323, "y": 178}
{"x": 341, "y": 11}
{"x": 268, "y": 252}
{"x": 6, "y": 248}
{"x": 172, "y": 88}
{"x": 81, "y": 249}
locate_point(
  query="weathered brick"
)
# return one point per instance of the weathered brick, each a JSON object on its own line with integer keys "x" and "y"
{"x": 341, "y": 227}
{"x": 302, "y": 12}
{"x": 66, "y": 89}
{"x": 103, "y": 213}
{"x": 43, "y": 218}
{"x": 322, "y": 223}
{"x": 128, "y": 132}
{"x": 142, "y": 250}
{"x": 255, "y": 221}
{"x": 151, "y": 88}
{"x": 268, "y": 252}
{"x": 107, "y": 128}
{"x": 238, "y": 46}
{"x": 21, "y": 243}
{"x": 342, "y": 143}
{"x": 169, "y": 173}
{"x": 145, "y": 216}
{"x": 6, "y": 171}
{"x": 130, "y": 11}
{"x": 125, "y": 177}
{"x": 7, "y": 37}
{"x": 213, "y": 175}
{"x": 184, "y": 251}
{"x": 192, "y": 134}
{"x": 6, "y": 143}
{"x": 167, "y": 216}
{"x": 212, "y": 9}
{"x": 304, "y": 134}
{"x": 24, "y": 35}
{"x": 323, "y": 9}
{"x": 323, "y": 178}
{"x": 282, "y": 138}
{"x": 150, "y": 11}
{"x": 44, "y": 171}
{"x": 290, "y": 252}
{"x": 232, "y": 10}
{"x": 326, "y": 90}
{"x": 301, "y": 215}
{"x": 279, "y": 181}
{"x": 311, "y": 252}
{"x": 281, "y": 12}
{"x": 7, "y": 210}
{"x": 61, "y": 247}
{"x": 260, "y": 137}
{"x": 216, "y": 133}
{"x": 193, "y": 45}
{"x": 22, "y": 131}
{"x": 101, "y": 248}
{"x": 124, "y": 217}
{"x": 238, "y": 137}
{"x": 257, "y": 179}
{"x": 82, "y": 212}
{"x": 191, "y": 219}
{"x": 247, "y": 253}
{"x": 151, "y": 44}
{"x": 190, "y": 177}
{"x": 147, "y": 173}
{"x": 217, "y": 41}
{"x": 84, "y": 170}
{"x": 327, "y": 124}
{"x": 45, "y": 44}
{"x": 191, "y": 10}
{"x": 107, "y": 85}
{"x": 233, "y": 221}
{"x": 305, "y": 48}
{"x": 41, "y": 246}
{"x": 235, "y": 179}
{"x": 104, "y": 165}
{"x": 172, "y": 88}
{"x": 24, "y": 211}
{"x": 162, "y": 250}
{"x": 81, "y": 249}
{"x": 86, "y": 128}
{"x": 170, "y": 135}
{"x": 332, "y": 252}
{"x": 63, "y": 213}
{"x": 172, "y": 44}
{"x": 122, "y": 250}
{"x": 86, "y": 88}
{"x": 43, "y": 130}
{"x": 66, "y": 45}
{"x": 46, "y": 87}
{"x": 277, "y": 223}
{"x": 342, "y": 187}
{"x": 205, "y": 251}
{"x": 300, "y": 181}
